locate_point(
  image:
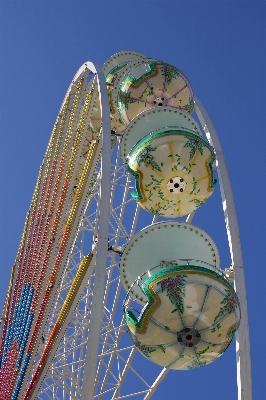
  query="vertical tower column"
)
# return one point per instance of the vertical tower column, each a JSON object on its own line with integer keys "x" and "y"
{"x": 102, "y": 244}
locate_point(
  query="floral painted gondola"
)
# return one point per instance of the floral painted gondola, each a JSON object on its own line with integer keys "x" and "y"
{"x": 189, "y": 311}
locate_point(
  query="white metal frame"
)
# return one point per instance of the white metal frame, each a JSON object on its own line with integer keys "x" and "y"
{"x": 100, "y": 337}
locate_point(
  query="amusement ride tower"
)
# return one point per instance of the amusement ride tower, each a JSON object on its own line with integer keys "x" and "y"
{"x": 110, "y": 273}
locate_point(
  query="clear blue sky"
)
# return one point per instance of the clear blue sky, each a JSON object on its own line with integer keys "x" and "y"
{"x": 220, "y": 46}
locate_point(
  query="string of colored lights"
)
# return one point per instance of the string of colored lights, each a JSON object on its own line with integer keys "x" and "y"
{"x": 58, "y": 197}
{"x": 62, "y": 316}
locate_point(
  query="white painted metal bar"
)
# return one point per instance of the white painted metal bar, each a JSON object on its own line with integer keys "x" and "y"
{"x": 135, "y": 372}
{"x": 131, "y": 395}
{"x": 102, "y": 247}
{"x": 156, "y": 383}
{"x": 124, "y": 372}
{"x": 190, "y": 217}
{"x": 244, "y": 379}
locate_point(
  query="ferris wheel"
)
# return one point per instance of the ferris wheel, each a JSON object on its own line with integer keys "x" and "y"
{"x": 111, "y": 275}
